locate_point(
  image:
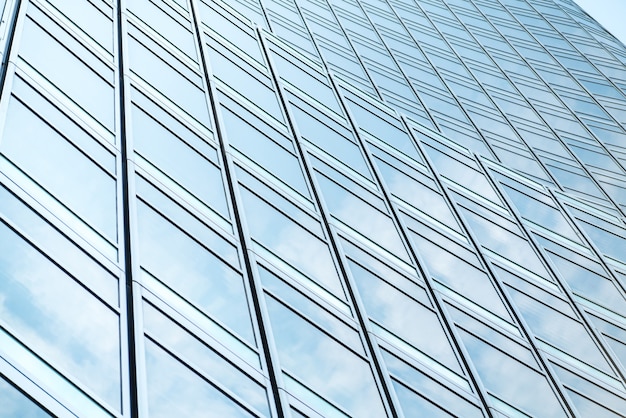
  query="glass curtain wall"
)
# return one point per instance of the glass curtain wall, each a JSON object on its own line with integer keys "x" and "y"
{"x": 311, "y": 208}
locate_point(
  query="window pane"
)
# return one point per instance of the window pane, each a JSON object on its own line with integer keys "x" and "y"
{"x": 512, "y": 381}
{"x": 323, "y": 364}
{"x": 15, "y": 404}
{"x": 263, "y": 150}
{"x": 61, "y": 168}
{"x": 160, "y": 19}
{"x": 177, "y": 159}
{"x": 192, "y": 271}
{"x": 176, "y": 391}
{"x": 430, "y": 391}
{"x": 73, "y": 259}
{"x": 560, "y": 330}
{"x": 91, "y": 19}
{"x": 204, "y": 358}
{"x": 363, "y": 217}
{"x": 173, "y": 79}
{"x": 82, "y": 337}
{"x": 67, "y": 71}
{"x": 291, "y": 242}
{"x": 473, "y": 283}
{"x": 405, "y": 317}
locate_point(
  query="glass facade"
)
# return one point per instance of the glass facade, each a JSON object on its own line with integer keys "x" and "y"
{"x": 311, "y": 208}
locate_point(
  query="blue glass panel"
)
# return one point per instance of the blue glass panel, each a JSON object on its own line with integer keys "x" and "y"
{"x": 191, "y": 270}
{"x": 323, "y": 364}
{"x": 82, "y": 337}
{"x": 61, "y": 168}
{"x": 512, "y": 381}
{"x": 174, "y": 390}
{"x": 292, "y": 242}
{"x": 16, "y": 404}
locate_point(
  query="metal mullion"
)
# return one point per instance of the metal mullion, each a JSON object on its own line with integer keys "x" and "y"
{"x": 540, "y": 116}
{"x": 361, "y": 317}
{"x": 582, "y": 317}
{"x": 526, "y": 333}
{"x": 6, "y": 59}
{"x": 551, "y": 89}
{"x": 255, "y": 290}
{"x": 128, "y": 235}
{"x": 477, "y": 386}
{"x": 444, "y": 82}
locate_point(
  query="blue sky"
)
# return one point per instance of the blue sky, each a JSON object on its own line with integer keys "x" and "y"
{"x": 610, "y": 13}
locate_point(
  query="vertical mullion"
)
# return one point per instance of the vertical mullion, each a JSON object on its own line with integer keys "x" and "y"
{"x": 255, "y": 290}
{"x": 127, "y": 228}
{"x": 9, "y": 39}
{"x": 325, "y": 217}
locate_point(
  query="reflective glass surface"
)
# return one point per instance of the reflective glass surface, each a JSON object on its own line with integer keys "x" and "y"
{"x": 325, "y": 208}
{"x": 15, "y": 403}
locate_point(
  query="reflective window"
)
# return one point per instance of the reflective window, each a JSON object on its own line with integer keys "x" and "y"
{"x": 363, "y": 217}
{"x": 305, "y": 79}
{"x": 73, "y": 130}
{"x": 96, "y": 21}
{"x": 585, "y": 277}
{"x": 311, "y": 310}
{"x": 495, "y": 369}
{"x": 560, "y": 330}
{"x": 323, "y": 364}
{"x": 409, "y": 379}
{"x": 167, "y": 23}
{"x": 229, "y": 27}
{"x": 330, "y": 137}
{"x": 197, "y": 173}
{"x": 74, "y": 260}
{"x": 291, "y": 242}
{"x": 608, "y": 238}
{"x": 444, "y": 262}
{"x": 62, "y": 168}
{"x": 404, "y": 317}
{"x": 598, "y": 400}
{"x": 614, "y": 335}
{"x": 82, "y": 337}
{"x": 206, "y": 359}
{"x": 505, "y": 242}
{"x": 423, "y": 197}
{"x": 461, "y": 173}
{"x": 540, "y": 213}
{"x": 250, "y": 9}
{"x": 384, "y": 130}
{"x": 168, "y": 75}
{"x": 412, "y": 285}
{"x": 16, "y": 404}
{"x": 236, "y": 73}
{"x": 274, "y": 155}
{"x": 175, "y": 390}
{"x": 189, "y": 268}
{"x": 50, "y": 55}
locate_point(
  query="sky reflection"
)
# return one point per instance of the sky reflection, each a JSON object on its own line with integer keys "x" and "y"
{"x": 323, "y": 364}
{"x": 82, "y": 336}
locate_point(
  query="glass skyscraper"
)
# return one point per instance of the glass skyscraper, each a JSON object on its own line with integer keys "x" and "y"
{"x": 311, "y": 208}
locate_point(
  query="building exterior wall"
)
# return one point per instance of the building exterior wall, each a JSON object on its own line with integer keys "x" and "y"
{"x": 320, "y": 208}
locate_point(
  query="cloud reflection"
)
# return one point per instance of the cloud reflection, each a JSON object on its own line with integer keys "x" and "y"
{"x": 58, "y": 318}
{"x": 324, "y": 365}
